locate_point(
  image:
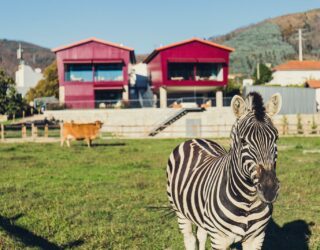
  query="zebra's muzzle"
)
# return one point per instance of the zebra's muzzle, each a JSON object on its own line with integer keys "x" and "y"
{"x": 268, "y": 186}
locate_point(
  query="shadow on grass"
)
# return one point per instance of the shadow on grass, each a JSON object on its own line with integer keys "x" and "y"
{"x": 28, "y": 238}
{"x": 292, "y": 236}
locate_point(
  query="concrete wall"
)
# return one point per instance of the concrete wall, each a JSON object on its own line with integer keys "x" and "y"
{"x": 214, "y": 122}
{"x": 294, "y": 100}
{"x": 318, "y": 99}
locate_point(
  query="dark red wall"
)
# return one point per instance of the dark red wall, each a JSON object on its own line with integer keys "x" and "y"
{"x": 193, "y": 49}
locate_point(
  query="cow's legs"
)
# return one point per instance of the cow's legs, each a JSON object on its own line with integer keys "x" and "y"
{"x": 185, "y": 226}
{"x": 61, "y": 141}
{"x": 202, "y": 237}
{"x": 89, "y": 143}
{"x": 68, "y": 142}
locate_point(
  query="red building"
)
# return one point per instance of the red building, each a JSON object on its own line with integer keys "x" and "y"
{"x": 92, "y": 71}
{"x": 194, "y": 67}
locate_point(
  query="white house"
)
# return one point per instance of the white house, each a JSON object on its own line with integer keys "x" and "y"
{"x": 315, "y": 84}
{"x": 27, "y": 78}
{"x": 295, "y": 72}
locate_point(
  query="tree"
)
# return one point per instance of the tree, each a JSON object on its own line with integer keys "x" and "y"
{"x": 265, "y": 74}
{"x": 16, "y": 104}
{"x": 11, "y": 102}
{"x": 48, "y": 86}
{"x": 5, "y": 82}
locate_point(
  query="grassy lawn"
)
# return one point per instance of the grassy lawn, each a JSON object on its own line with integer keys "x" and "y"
{"x": 104, "y": 197}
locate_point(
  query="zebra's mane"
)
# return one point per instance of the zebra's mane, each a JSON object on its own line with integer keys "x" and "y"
{"x": 257, "y": 106}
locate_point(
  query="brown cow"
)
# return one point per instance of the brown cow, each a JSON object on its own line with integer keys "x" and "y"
{"x": 80, "y": 131}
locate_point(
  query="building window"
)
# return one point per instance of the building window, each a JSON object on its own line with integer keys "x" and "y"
{"x": 108, "y": 72}
{"x": 195, "y": 71}
{"x": 207, "y": 71}
{"x": 180, "y": 71}
{"x": 78, "y": 73}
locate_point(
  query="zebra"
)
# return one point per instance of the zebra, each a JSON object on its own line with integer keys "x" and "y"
{"x": 228, "y": 195}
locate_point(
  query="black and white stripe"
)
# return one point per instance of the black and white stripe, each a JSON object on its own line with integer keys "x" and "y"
{"x": 216, "y": 190}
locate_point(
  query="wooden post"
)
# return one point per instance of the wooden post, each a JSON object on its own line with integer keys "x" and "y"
{"x": 2, "y": 132}
{"x": 46, "y": 131}
{"x": 61, "y": 129}
{"x": 24, "y": 131}
{"x": 34, "y": 131}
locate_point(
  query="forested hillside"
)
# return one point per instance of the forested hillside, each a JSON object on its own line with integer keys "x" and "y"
{"x": 34, "y": 55}
{"x": 273, "y": 41}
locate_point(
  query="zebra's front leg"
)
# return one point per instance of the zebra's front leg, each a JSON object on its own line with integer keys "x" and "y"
{"x": 254, "y": 242}
{"x": 220, "y": 242}
{"x": 185, "y": 226}
{"x": 202, "y": 237}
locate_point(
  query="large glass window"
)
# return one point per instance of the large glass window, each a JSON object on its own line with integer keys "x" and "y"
{"x": 207, "y": 71}
{"x": 108, "y": 72}
{"x": 195, "y": 71}
{"x": 180, "y": 71}
{"x": 78, "y": 72}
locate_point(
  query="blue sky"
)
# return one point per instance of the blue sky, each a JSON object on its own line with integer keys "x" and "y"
{"x": 141, "y": 24}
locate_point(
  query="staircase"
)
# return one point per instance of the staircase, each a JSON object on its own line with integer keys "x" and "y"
{"x": 171, "y": 119}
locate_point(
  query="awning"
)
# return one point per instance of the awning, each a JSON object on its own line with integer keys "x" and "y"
{"x": 82, "y": 61}
{"x": 107, "y": 60}
{"x": 211, "y": 60}
{"x": 182, "y": 60}
{"x": 195, "y": 60}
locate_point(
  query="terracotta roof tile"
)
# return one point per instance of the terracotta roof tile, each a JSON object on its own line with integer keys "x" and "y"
{"x": 298, "y": 65}
{"x": 315, "y": 84}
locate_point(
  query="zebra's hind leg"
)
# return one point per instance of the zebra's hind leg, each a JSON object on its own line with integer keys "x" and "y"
{"x": 202, "y": 237}
{"x": 185, "y": 227}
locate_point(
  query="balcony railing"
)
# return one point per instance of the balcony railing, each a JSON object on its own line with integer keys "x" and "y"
{"x": 135, "y": 103}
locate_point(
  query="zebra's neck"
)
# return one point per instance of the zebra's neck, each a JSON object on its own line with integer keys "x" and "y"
{"x": 239, "y": 184}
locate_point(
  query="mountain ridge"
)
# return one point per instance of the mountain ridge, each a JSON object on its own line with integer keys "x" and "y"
{"x": 273, "y": 40}
{"x": 34, "y": 55}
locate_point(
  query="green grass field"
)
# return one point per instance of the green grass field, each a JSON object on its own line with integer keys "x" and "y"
{"x": 104, "y": 197}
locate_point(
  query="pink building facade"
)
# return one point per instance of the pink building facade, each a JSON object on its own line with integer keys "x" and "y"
{"x": 194, "y": 67}
{"x": 92, "y": 72}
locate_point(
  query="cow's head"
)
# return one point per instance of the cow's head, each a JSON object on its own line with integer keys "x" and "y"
{"x": 254, "y": 139}
{"x": 99, "y": 124}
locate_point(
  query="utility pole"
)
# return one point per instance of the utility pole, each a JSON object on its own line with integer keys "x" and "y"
{"x": 258, "y": 71}
{"x": 300, "y": 46}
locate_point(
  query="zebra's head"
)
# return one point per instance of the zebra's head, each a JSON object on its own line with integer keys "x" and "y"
{"x": 254, "y": 139}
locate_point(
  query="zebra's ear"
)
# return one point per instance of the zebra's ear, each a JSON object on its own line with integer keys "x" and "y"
{"x": 238, "y": 106}
{"x": 273, "y": 106}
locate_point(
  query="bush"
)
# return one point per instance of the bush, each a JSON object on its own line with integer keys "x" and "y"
{"x": 56, "y": 106}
